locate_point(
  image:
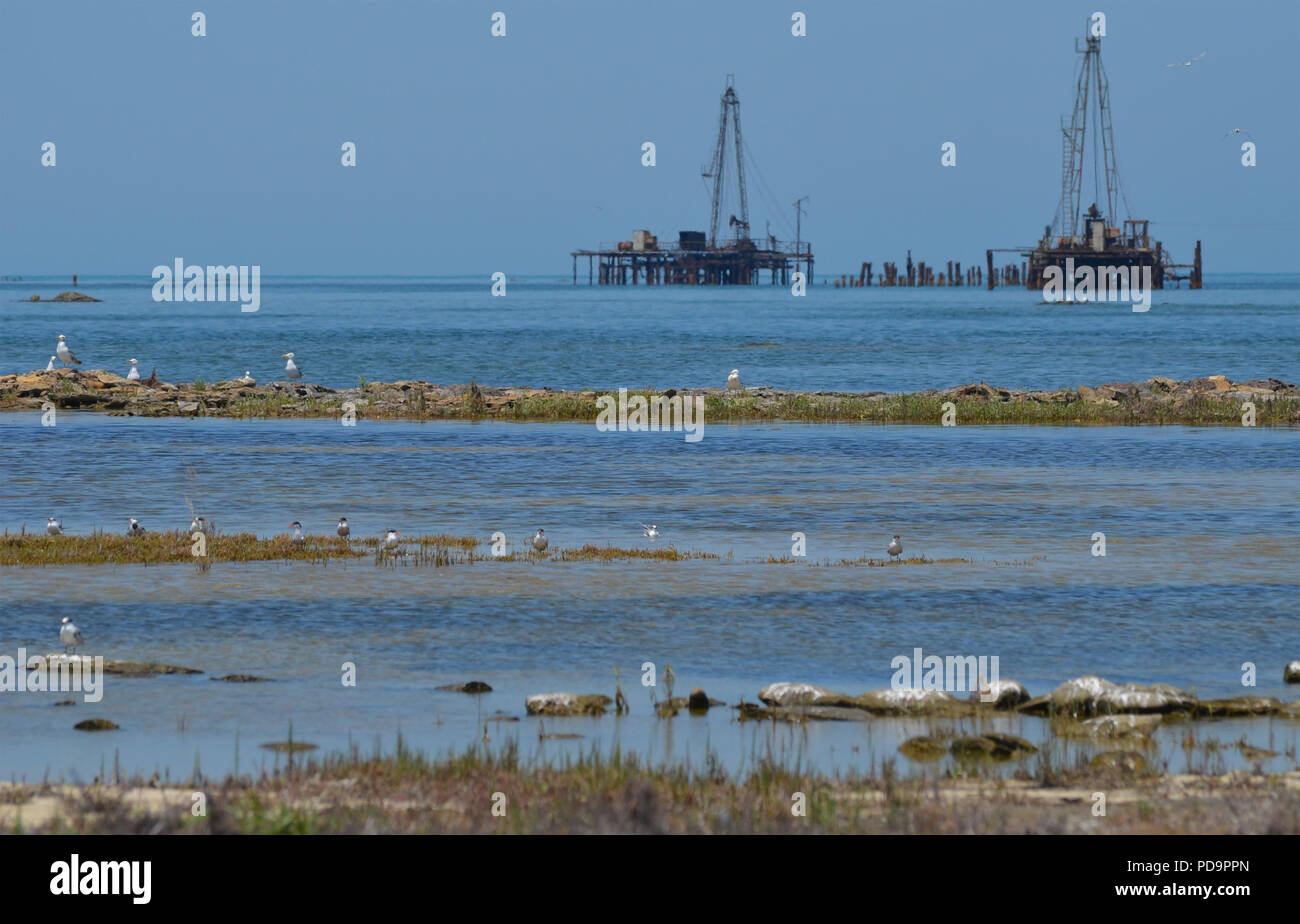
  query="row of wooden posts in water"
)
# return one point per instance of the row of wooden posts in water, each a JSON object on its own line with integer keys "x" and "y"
{"x": 920, "y": 274}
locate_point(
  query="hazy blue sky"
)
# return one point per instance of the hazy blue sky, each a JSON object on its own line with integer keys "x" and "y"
{"x": 478, "y": 153}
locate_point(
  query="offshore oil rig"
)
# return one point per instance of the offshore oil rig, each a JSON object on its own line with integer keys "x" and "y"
{"x": 697, "y": 257}
{"x": 1093, "y": 239}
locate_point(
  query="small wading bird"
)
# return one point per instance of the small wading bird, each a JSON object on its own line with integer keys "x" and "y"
{"x": 895, "y": 549}
{"x": 298, "y": 537}
{"x": 1189, "y": 62}
{"x": 290, "y": 367}
{"x": 733, "y": 381}
{"x": 1237, "y": 131}
{"x": 651, "y": 531}
{"x": 391, "y": 538}
{"x": 133, "y": 527}
{"x": 133, "y": 374}
{"x": 69, "y": 635}
{"x": 540, "y": 541}
{"x": 49, "y": 367}
{"x": 54, "y": 527}
{"x": 65, "y": 354}
{"x": 343, "y": 529}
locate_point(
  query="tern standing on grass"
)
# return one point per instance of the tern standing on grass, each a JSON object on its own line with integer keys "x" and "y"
{"x": 298, "y": 537}
{"x": 69, "y": 635}
{"x": 895, "y": 549}
{"x": 133, "y": 527}
{"x": 54, "y": 527}
{"x": 391, "y": 539}
{"x": 540, "y": 542}
{"x": 343, "y": 529}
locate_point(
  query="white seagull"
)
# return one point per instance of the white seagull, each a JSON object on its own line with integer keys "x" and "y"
{"x": 65, "y": 355}
{"x": 290, "y": 367}
{"x": 298, "y": 537}
{"x": 49, "y": 367}
{"x": 248, "y": 379}
{"x": 540, "y": 541}
{"x": 54, "y": 527}
{"x": 733, "y": 381}
{"x": 133, "y": 527}
{"x": 651, "y": 531}
{"x": 343, "y": 529}
{"x": 1237, "y": 131}
{"x": 133, "y": 375}
{"x": 69, "y": 635}
{"x": 1189, "y": 62}
{"x": 895, "y": 549}
{"x": 391, "y": 539}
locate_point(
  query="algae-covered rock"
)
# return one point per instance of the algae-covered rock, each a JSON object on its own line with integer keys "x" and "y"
{"x": 96, "y": 725}
{"x": 802, "y": 713}
{"x": 144, "y": 669}
{"x": 1001, "y": 694}
{"x": 1121, "y": 761}
{"x": 471, "y": 686}
{"x": 242, "y": 678}
{"x": 924, "y": 747}
{"x": 911, "y": 701}
{"x": 802, "y": 694}
{"x": 1091, "y": 695}
{"x": 991, "y": 746}
{"x": 567, "y": 704}
{"x": 1238, "y": 706}
{"x": 1108, "y": 726}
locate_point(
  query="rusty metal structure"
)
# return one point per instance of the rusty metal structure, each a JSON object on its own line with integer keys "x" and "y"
{"x": 697, "y": 258}
{"x": 1094, "y": 239}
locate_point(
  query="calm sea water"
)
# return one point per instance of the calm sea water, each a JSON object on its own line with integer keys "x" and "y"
{"x": 1200, "y": 576}
{"x": 1201, "y": 524}
{"x": 545, "y": 332}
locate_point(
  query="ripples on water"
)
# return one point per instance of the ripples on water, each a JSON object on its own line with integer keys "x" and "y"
{"x": 1200, "y": 576}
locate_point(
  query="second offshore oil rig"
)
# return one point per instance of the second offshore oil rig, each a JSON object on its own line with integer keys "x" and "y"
{"x": 718, "y": 257}
{"x": 1093, "y": 239}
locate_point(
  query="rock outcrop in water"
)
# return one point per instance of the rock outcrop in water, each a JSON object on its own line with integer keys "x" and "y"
{"x": 567, "y": 704}
{"x": 1213, "y": 399}
{"x": 1091, "y": 695}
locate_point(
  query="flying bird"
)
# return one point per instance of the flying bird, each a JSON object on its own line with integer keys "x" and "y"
{"x": 1188, "y": 63}
{"x": 54, "y": 527}
{"x": 133, "y": 527}
{"x": 651, "y": 531}
{"x": 133, "y": 374}
{"x": 65, "y": 354}
{"x": 49, "y": 367}
{"x": 540, "y": 541}
{"x": 343, "y": 529}
{"x": 290, "y": 367}
{"x": 1237, "y": 131}
{"x": 733, "y": 381}
{"x": 895, "y": 549}
{"x": 69, "y": 635}
{"x": 298, "y": 537}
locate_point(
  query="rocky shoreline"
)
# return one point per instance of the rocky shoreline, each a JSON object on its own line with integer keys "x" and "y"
{"x": 1210, "y": 400}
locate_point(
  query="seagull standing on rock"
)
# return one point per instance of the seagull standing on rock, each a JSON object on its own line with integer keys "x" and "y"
{"x": 133, "y": 527}
{"x": 133, "y": 375}
{"x": 69, "y": 635}
{"x": 733, "y": 381}
{"x": 54, "y": 527}
{"x": 895, "y": 549}
{"x": 49, "y": 367}
{"x": 65, "y": 354}
{"x": 290, "y": 367}
{"x": 540, "y": 542}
